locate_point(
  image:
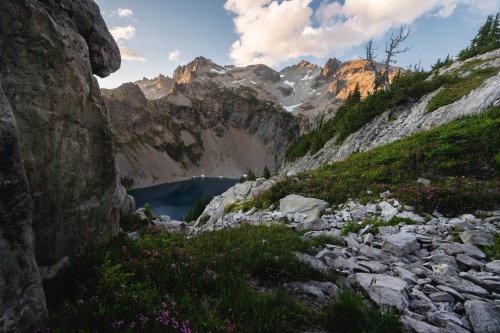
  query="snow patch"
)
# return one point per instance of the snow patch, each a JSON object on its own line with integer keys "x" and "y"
{"x": 291, "y": 84}
{"x": 282, "y": 76}
{"x": 290, "y": 108}
{"x": 238, "y": 82}
{"x": 253, "y": 82}
{"x": 218, "y": 71}
{"x": 307, "y": 76}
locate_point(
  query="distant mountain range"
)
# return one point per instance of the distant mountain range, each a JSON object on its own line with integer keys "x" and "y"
{"x": 222, "y": 121}
{"x": 303, "y": 88}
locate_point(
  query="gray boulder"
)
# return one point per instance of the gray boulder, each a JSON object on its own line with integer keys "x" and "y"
{"x": 309, "y": 209}
{"x": 469, "y": 261}
{"x": 387, "y": 210}
{"x": 421, "y": 326}
{"x": 401, "y": 243}
{"x": 460, "y": 285}
{"x": 494, "y": 266}
{"x": 484, "y": 317}
{"x": 385, "y": 290}
{"x": 477, "y": 237}
{"x": 467, "y": 249}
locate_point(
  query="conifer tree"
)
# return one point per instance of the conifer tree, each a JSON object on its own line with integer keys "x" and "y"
{"x": 266, "y": 173}
{"x": 487, "y": 39}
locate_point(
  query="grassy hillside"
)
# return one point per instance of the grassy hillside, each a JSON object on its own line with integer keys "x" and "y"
{"x": 407, "y": 88}
{"x": 461, "y": 158}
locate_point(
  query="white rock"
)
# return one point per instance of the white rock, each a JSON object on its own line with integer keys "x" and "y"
{"x": 420, "y": 326}
{"x": 312, "y": 208}
{"x": 388, "y": 211}
{"x": 467, "y": 249}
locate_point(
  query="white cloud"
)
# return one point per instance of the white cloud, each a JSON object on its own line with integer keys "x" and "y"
{"x": 273, "y": 31}
{"x": 131, "y": 55}
{"x": 122, "y": 33}
{"x": 124, "y": 13}
{"x": 174, "y": 55}
{"x": 126, "y": 33}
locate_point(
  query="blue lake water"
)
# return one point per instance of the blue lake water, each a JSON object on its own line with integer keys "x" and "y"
{"x": 175, "y": 199}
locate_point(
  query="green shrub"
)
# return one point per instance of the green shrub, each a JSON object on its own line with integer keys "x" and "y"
{"x": 199, "y": 206}
{"x": 350, "y": 227}
{"x": 127, "y": 182}
{"x": 149, "y": 212}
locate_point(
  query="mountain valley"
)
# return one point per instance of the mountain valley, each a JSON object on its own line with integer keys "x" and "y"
{"x": 223, "y": 121}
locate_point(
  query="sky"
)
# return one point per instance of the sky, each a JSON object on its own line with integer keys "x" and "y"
{"x": 157, "y": 36}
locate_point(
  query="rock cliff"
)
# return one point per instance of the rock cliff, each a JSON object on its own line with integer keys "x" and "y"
{"x": 22, "y": 302}
{"x": 196, "y": 130}
{"x": 49, "y": 51}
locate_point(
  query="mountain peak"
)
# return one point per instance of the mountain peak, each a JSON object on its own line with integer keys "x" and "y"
{"x": 199, "y": 66}
{"x": 331, "y": 67}
{"x": 306, "y": 64}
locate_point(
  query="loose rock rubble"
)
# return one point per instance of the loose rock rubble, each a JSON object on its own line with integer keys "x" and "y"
{"x": 437, "y": 283}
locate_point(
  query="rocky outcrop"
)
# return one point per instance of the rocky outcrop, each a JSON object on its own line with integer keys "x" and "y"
{"x": 331, "y": 67}
{"x": 61, "y": 146}
{"x": 50, "y": 52}
{"x": 354, "y": 72}
{"x": 22, "y": 303}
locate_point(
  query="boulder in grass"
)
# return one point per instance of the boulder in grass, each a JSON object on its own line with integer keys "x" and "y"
{"x": 308, "y": 209}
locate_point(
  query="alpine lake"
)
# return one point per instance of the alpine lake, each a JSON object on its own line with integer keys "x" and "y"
{"x": 175, "y": 199}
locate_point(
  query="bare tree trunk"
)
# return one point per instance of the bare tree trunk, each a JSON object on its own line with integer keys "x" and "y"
{"x": 391, "y": 49}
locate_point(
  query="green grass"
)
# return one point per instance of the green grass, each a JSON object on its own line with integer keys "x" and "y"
{"x": 493, "y": 251}
{"x": 461, "y": 159}
{"x": 222, "y": 281}
{"x": 351, "y": 227}
{"x": 349, "y": 313}
{"x": 354, "y": 227}
{"x": 460, "y": 87}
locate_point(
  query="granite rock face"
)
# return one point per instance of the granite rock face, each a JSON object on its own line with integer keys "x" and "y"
{"x": 49, "y": 53}
{"x": 22, "y": 303}
{"x": 58, "y": 182}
